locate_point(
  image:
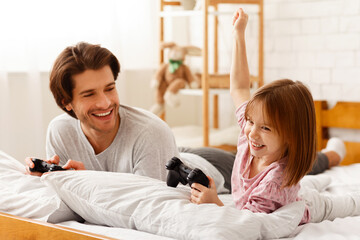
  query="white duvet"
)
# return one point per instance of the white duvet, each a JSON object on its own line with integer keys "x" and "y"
{"x": 127, "y": 201}
{"x": 141, "y": 203}
{"x": 137, "y": 202}
{"x": 336, "y": 181}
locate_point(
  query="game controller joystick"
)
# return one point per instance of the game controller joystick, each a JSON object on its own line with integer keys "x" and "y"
{"x": 42, "y": 166}
{"x": 178, "y": 172}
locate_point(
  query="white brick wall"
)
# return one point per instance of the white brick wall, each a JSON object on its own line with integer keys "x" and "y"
{"x": 314, "y": 41}
{"x": 317, "y": 42}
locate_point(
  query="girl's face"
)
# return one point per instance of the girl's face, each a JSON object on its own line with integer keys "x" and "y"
{"x": 264, "y": 141}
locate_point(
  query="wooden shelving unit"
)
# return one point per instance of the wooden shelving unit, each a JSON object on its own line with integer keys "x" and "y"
{"x": 213, "y": 80}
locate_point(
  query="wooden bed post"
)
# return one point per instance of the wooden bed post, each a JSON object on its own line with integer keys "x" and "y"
{"x": 161, "y": 31}
{"x": 204, "y": 76}
{"x": 216, "y": 69}
{"x": 319, "y": 129}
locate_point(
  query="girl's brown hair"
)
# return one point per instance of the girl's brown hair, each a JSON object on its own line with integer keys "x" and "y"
{"x": 290, "y": 109}
{"x": 75, "y": 60}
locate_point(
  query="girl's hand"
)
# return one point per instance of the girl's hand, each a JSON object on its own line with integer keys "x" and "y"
{"x": 201, "y": 194}
{"x": 240, "y": 20}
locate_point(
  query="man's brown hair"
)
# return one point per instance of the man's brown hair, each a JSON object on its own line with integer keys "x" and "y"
{"x": 290, "y": 109}
{"x": 75, "y": 60}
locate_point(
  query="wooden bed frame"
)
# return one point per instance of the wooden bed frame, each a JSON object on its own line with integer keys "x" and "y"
{"x": 343, "y": 115}
{"x": 14, "y": 227}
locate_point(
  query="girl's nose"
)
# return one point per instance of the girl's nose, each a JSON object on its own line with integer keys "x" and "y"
{"x": 253, "y": 133}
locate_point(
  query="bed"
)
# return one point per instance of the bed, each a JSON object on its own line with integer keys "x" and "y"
{"x": 103, "y": 205}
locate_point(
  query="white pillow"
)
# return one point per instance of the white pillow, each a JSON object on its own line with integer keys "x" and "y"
{"x": 26, "y": 196}
{"x": 195, "y": 161}
{"x": 138, "y": 202}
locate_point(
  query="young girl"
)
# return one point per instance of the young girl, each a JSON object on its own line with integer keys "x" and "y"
{"x": 276, "y": 146}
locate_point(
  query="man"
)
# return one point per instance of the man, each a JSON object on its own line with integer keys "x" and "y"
{"x": 98, "y": 133}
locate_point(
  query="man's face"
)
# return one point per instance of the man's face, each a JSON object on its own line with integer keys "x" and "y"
{"x": 95, "y": 101}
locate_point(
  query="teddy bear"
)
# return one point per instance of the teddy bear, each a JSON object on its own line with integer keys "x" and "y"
{"x": 173, "y": 76}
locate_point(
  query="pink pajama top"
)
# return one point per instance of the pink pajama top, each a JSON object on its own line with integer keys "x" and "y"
{"x": 263, "y": 192}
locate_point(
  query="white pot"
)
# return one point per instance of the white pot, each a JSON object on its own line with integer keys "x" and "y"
{"x": 188, "y": 4}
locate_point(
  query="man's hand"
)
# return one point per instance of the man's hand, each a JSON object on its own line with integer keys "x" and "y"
{"x": 29, "y": 164}
{"x": 201, "y": 194}
{"x": 74, "y": 164}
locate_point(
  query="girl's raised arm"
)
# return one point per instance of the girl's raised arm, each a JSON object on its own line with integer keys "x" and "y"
{"x": 239, "y": 73}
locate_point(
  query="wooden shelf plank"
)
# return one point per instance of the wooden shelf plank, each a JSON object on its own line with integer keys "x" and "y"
{"x": 215, "y": 2}
{"x": 172, "y": 3}
{"x": 199, "y": 92}
{"x": 223, "y": 80}
{"x": 180, "y": 13}
{"x": 192, "y": 13}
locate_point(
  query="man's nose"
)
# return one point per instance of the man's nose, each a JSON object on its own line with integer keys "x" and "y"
{"x": 103, "y": 101}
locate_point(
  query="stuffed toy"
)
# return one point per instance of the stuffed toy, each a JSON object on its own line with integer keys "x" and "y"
{"x": 173, "y": 76}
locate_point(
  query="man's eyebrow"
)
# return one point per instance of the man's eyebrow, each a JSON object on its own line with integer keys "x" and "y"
{"x": 91, "y": 90}
{"x": 110, "y": 84}
{"x": 86, "y": 91}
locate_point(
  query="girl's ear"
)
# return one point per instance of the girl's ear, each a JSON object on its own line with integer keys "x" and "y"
{"x": 286, "y": 150}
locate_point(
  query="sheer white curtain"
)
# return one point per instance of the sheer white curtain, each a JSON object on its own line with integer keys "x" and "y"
{"x": 33, "y": 33}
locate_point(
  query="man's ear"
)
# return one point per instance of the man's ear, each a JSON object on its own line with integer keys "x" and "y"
{"x": 68, "y": 106}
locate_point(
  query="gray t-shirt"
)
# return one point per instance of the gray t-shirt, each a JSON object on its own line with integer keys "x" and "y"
{"x": 143, "y": 144}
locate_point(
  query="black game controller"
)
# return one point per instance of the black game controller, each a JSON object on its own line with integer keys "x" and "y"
{"x": 178, "y": 172}
{"x": 42, "y": 166}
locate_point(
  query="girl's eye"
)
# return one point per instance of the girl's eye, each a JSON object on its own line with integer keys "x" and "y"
{"x": 110, "y": 89}
{"x": 88, "y": 95}
{"x": 266, "y": 128}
